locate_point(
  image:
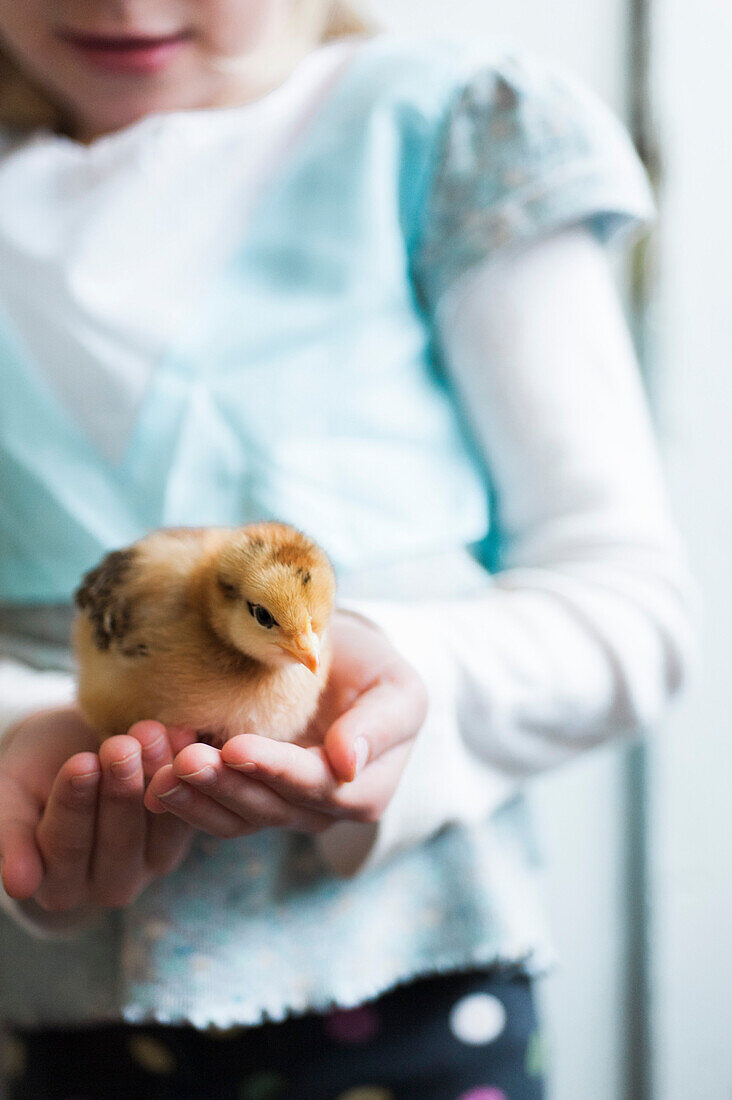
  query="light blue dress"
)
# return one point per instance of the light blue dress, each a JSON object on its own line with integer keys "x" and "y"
{"x": 311, "y": 375}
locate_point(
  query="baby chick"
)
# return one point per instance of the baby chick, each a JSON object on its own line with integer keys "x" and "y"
{"x": 222, "y": 630}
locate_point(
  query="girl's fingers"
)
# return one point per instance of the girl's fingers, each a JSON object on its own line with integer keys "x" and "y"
{"x": 180, "y": 737}
{"x": 257, "y": 804}
{"x": 118, "y": 870}
{"x": 159, "y": 744}
{"x": 197, "y": 809}
{"x": 383, "y": 717}
{"x": 21, "y": 867}
{"x": 304, "y": 778}
{"x": 65, "y": 833}
{"x": 154, "y": 744}
{"x": 167, "y": 844}
{"x": 366, "y": 799}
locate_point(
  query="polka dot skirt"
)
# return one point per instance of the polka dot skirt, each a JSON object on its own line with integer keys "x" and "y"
{"x": 469, "y": 1036}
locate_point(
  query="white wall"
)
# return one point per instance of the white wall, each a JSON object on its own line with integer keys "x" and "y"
{"x": 692, "y": 835}
{"x": 578, "y": 811}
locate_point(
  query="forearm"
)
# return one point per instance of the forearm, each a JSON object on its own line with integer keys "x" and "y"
{"x": 548, "y": 662}
{"x": 589, "y": 630}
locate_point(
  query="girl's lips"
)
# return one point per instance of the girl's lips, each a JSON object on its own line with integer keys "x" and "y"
{"x": 127, "y": 53}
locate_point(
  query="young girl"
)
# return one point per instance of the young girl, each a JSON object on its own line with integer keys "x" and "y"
{"x": 256, "y": 262}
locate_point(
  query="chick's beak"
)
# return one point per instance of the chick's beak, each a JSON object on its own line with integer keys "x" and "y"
{"x": 305, "y": 648}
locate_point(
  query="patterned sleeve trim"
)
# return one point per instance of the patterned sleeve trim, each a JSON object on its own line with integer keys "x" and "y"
{"x": 525, "y": 152}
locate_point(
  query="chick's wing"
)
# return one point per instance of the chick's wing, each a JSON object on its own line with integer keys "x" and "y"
{"x": 134, "y": 591}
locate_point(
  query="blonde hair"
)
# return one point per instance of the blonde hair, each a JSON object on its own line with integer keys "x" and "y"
{"x": 24, "y": 106}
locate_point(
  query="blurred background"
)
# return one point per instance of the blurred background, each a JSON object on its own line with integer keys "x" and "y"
{"x": 638, "y": 841}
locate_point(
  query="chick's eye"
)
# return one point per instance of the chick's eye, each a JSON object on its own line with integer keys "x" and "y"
{"x": 262, "y": 615}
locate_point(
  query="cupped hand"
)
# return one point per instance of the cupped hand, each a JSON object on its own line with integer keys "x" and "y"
{"x": 357, "y": 746}
{"x": 74, "y": 833}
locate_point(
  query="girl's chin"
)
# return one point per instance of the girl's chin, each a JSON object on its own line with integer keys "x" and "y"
{"x": 129, "y": 105}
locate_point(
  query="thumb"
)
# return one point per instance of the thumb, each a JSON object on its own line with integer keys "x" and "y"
{"x": 21, "y": 866}
{"x": 382, "y": 717}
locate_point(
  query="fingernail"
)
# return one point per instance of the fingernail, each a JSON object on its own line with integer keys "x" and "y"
{"x": 126, "y": 768}
{"x": 85, "y": 782}
{"x": 178, "y": 794}
{"x": 248, "y": 766}
{"x": 361, "y": 749}
{"x": 205, "y": 776}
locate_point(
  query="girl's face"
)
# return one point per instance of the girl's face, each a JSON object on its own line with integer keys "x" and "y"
{"x": 110, "y": 62}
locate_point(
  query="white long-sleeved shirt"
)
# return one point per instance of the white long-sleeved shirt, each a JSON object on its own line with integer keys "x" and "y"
{"x": 587, "y": 631}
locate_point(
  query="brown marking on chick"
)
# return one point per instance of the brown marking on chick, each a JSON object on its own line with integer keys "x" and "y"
{"x": 101, "y": 595}
{"x": 228, "y": 590}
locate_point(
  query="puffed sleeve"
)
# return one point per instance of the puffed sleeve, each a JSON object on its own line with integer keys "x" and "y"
{"x": 524, "y": 151}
